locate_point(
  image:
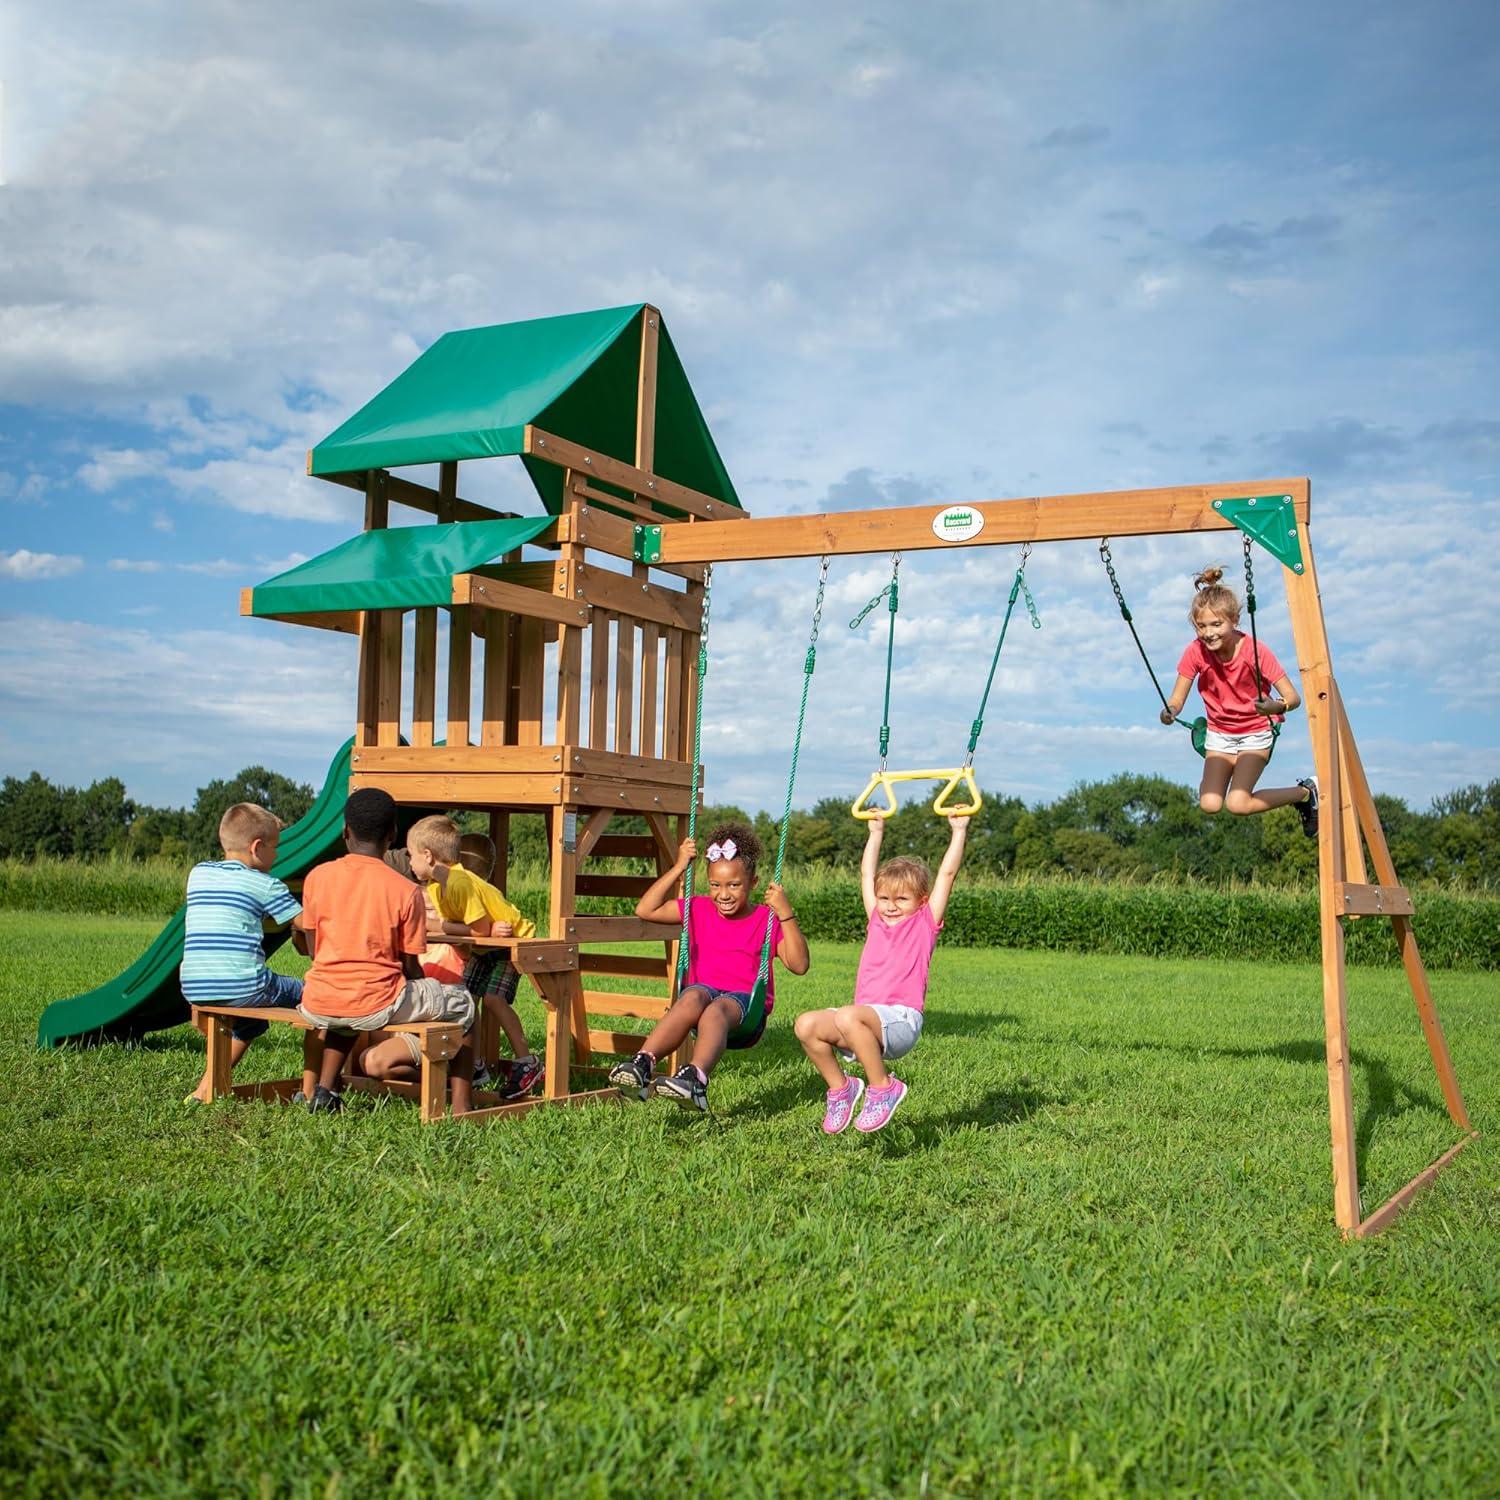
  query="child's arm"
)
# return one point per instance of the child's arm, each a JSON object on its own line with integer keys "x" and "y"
{"x": 869, "y": 862}
{"x": 792, "y": 949}
{"x": 658, "y": 905}
{"x": 302, "y": 940}
{"x": 942, "y": 887}
{"x": 1179, "y": 695}
{"x": 1289, "y": 698}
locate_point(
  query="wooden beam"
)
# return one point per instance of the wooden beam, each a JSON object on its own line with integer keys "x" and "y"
{"x": 345, "y": 620}
{"x": 639, "y": 1007}
{"x": 460, "y": 665}
{"x": 645, "y": 392}
{"x": 1388, "y": 1210}
{"x": 388, "y": 728}
{"x": 555, "y": 450}
{"x": 490, "y": 593}
{"x": 1050, "y": 518}
{"x": 1355, "y": 899}
{"x": 609, "y": 533}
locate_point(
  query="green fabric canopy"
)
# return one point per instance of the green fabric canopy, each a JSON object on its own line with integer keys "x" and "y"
{"x": 473, "y": 392}
{"x": 401, "y": 567}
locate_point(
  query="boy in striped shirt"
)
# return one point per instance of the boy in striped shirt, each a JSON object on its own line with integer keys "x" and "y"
{"x": 231, "y": 904}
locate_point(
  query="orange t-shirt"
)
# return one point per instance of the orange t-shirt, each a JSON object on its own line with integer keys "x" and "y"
{"x": 363, "y": 917}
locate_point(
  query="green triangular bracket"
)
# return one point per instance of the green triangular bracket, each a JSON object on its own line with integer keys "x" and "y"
{"x": 647, "y": 547}
{"x": 1270, "y": 520}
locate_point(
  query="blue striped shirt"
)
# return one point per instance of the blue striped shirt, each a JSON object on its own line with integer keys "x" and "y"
{"x": 229, "y": 907}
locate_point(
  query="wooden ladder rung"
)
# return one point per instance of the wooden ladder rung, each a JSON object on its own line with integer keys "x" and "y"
{"x": 624, "y": 965}
{"x": 614, "y": 885}
{"x": 641, "y": 1007}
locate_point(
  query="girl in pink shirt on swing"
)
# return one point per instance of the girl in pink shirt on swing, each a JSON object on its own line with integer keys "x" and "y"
{"x": 905, "y": 908}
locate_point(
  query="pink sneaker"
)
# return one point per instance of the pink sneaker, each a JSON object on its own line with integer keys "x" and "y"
{"x": 880, "y": 1105}
{"x": 841, "y": 1104}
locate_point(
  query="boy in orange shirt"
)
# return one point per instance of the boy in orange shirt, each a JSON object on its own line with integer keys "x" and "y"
{"x": 366, "y": 926}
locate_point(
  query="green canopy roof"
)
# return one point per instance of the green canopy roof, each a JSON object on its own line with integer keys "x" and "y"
{"x": 398, "y": 568}
{"x": 473, "y": 392}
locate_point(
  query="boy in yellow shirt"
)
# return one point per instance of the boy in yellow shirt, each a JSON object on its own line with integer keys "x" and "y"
{"x": 471, "y": 907}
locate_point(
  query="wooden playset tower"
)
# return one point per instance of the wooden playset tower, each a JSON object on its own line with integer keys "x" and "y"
{"x": 569, "y": 678}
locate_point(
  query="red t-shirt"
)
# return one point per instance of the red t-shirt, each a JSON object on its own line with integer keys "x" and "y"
{"x": 1230, "y": 688}
{"x": 363, "y": 917}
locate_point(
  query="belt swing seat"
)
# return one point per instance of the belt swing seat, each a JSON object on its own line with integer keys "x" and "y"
{"x": 752, "y": 1024}
{"x": 955, "y": 779}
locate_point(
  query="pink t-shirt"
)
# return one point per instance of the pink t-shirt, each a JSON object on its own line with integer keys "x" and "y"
{"x": 725, "y": 951}
{"x": 893, "y": 967}
{"x": 1230, "y": 688}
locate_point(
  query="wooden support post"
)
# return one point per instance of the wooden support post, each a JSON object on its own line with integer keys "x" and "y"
{"x": 497, "y": 639}
{"x": 531, "y": 647}
{"x": 599, "y": 680}
{"x": 377, "y": 517}
{"x": 460, "y": 666}
{"x": 645, "y": 404}
{"x": 388, "y": 710}
{"x": 500, "y": 838}
{"x": 676, "y": 684}
{"x": 218, "y": 1034}
{"x": 556, "y": 991}
{"x": 447, "y": 496}
{"x": 624, "y": 684}
{"x": 650, "y": 690}
{"x": 424, "y": 677}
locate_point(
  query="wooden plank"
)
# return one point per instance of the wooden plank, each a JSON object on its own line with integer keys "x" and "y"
{"x": 531, "y": 648}
{"x": 447, "y": 504}
{"x": 629, "y": 509}
{"x": 556, "y": 991}
{"x": 1356, "y": 899}
{"x": 444, "y": 790}
{"x": 367, "y": 711}
{"x": 646, "y": 738}
{"x": 493, "y": 593}
{"x": 612, "y": 534}
{"x": 652, "y": 487}
{"x": 545, "y": 956}
{"x": 569, "y": 685}
{"x": 1383, "y": 1215}
{"x": 615, "y": 930}
{"x": 1046, "y": 518}
{"x": 614, "y": 885}
{"x": 343, "y": 620}
{"x": 647, "y": 797}
{"x": 421, "y": 497}
{"x": 676, "y": 683}
{"x": 624, "y": 846}
{"x": 424, "y": 677}
{"x": 583, "y": 584}
{"x": 388, "y": 725}
{"x": 1354, "y": 854}
{"x": 377, "y": 488}
{"x": 525, "y": 1106}
{"x": 599, "y": 658}
{"x": 638, "y": 1007}
{"x": 563, "y": 874}
{"x": 624, "y": 684}
{"x": 686, "y": 733}
{"x": 624, "y": 965}
{"x": 218, "y": 1038}
{"x": 593, "y": 832}
{"x": 1406, "y": 938}
{"x": 460, "y": 671}
{"x": 662, "y": 835}
{"x": 645, "y": 391}
{"x": 495, "y": 675}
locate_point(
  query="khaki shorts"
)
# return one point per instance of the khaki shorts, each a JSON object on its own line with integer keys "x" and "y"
{"x": 421, "y": 1000}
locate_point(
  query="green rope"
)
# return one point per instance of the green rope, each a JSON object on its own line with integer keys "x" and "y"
{"x": 890, "y": 593}
{"x": 687, "y": 889}
{"x": 1017, "y": 588}
{"x": 763, "y": 973}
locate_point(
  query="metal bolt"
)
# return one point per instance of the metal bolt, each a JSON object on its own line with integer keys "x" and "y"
{"x": 1218, "y": 505}
{"x": 541, "y": 442}
{"x": 650, "y": 485}
{"x": 1252, "y": 499}
{"x": 557, "y": 757}
{"x": 639, "y": 528}
{"x": 587, "y": 459}
{"x": 1286, "y": 499}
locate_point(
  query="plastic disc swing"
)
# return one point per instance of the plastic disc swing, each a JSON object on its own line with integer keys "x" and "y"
{"x": 885, "y": 780}
{"x": 1197, "y": 728}
{"x": 748, "y": 1032}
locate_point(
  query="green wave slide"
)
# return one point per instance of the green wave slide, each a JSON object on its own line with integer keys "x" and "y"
{"x": 146, "y": 996}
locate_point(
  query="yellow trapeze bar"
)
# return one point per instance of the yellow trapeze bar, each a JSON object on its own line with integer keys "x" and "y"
{"x": 952, "y": 780}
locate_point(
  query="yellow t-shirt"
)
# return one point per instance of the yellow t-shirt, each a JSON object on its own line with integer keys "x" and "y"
{"x": 467, "y": 898}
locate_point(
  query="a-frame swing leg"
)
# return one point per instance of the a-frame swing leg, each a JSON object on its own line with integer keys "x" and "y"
{"x": 1349, "y": 808}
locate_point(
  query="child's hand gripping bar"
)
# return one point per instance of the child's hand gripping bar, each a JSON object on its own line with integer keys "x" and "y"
{"x": 952, "y": 780}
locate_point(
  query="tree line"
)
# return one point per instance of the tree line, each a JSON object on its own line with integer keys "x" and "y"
{"x": 1129, "y": 827}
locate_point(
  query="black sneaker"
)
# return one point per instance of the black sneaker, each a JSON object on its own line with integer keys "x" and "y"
{"x": 525, "y": 1074}
{"x": 686, "y": 1088}
{"x": 633, "y": 1076}
{"x": 325, "y": 1102}
{"x": 1308, "y": 811}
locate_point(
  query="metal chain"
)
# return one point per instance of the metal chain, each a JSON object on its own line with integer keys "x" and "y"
{"x": 1114, "y": 583}
{"x": 888, "y": 592}
{"x": 687, "y": 889}
{"x": 791, "y": 781}
{"x": 1254, "y": 639}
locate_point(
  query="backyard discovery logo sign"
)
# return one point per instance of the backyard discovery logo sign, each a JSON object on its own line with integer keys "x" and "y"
{"x": 958, "y": 523}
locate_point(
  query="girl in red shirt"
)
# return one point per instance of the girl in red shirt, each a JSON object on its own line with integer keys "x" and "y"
{"x": 1242, "y": 694}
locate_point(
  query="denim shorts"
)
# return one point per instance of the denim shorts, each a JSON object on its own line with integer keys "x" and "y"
{"x": 900, "y": 1030}
{"x": 740, "y": 997}
{"x": 1216, "y": 742}
{"x": 281, "y": 993}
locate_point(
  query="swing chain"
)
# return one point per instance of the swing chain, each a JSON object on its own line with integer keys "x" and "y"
{"x": 1036, "y": 619}
{"x": 817, "y": 619}
{"x": 687, "y": 889}
{"x": 887, "y": 593}
{"x": 1249, "y": 579}
{"x": 1114, "y": 583}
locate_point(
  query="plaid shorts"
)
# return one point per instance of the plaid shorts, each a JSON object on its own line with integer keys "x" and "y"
{"x": 480, "y": 978}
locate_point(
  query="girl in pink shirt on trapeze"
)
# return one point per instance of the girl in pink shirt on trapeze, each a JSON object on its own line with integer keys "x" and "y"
{"x": 1243, "y": 692}
{"x": 890, "y": 990}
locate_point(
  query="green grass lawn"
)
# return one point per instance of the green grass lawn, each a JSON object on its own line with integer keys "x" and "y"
{"x": 1094, "y": 1254}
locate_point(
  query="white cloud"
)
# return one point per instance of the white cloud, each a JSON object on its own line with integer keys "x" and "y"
{"x": 30, "y": 566}
{"x": 134, "y": 565}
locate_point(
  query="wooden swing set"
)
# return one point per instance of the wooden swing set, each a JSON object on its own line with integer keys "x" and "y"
{"x": 587, "y": 667}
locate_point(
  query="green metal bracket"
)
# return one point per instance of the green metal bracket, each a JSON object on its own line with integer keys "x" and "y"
{"x": 1270, "y": 520}
{"x": 648, "y": 544}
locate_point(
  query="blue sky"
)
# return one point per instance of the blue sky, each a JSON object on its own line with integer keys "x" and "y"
{"x": 907, "y": 254}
